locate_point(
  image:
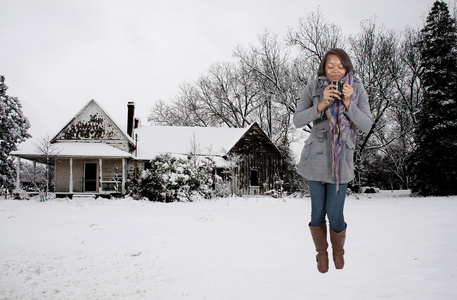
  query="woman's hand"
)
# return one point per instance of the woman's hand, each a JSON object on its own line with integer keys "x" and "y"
{"x": 347, "y": 93}
{"x": 329, "y": 93}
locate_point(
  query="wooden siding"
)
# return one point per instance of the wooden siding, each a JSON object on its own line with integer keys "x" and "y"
{"x": 260, "y": 154}
{"x": 93, "y": 125}
{"x": 111, "y": 172}
{"x": 267, "y": 169}
{"x": 112, "y": 175}
{"x": 62, "y": 173}
{"x": 62, "y": 180}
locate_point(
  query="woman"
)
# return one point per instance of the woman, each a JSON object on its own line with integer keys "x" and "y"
{"x": 327, "y": 157}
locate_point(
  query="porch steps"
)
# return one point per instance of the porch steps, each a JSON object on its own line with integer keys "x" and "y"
{"x": 84, "y": 197}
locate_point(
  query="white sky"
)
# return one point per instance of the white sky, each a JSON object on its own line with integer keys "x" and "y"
{"x": 58, "y": 55}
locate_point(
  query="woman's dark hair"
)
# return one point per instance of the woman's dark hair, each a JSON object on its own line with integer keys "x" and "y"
{"x": 344, "y": 58}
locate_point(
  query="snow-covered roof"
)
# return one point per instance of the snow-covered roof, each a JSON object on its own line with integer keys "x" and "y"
{"x": 153, "y": 140}
{"x": 90, "y": 150}
{"x": 70, "y": 149}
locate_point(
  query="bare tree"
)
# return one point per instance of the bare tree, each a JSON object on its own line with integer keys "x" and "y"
{"x": 405, "y": 73}
{"x": 186, "y": 110}
{"x": 229, "y": 95}
{"x": 374, "y": 50}
{"x": 49, "y": 151}
{"x": 275, "y": 74}
{"x": 162, "y": 114}
{"x": 388, "y": 67}
{"x": 314, "y": 37}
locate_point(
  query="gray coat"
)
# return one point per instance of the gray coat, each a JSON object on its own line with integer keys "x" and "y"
{"x": 316, "y": 156}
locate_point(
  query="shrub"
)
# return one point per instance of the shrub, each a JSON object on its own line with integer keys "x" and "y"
{"x": 177, "y": 179}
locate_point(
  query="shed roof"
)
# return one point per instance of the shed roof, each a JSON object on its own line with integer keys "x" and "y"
{"x": 153, "y": 140}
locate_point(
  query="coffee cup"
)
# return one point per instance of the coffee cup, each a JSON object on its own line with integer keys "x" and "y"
{"x": 336, "y": 85}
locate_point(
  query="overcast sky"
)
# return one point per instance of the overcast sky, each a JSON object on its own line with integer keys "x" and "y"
{"x": 58, "y": 55}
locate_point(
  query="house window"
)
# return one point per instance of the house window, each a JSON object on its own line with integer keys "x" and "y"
{"x": 147, "y": 166}
{"x": 254, "y": 177}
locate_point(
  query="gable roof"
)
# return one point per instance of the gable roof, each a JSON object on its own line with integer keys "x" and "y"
{"x": 92, "y": 122}
{"x": 177, "y": 140}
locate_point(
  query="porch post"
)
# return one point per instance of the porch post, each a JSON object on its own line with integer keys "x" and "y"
{"x": 123, "y": 175}
{"x": 100, "y": 184}
{"x": 18, "y": 170}
{"x": 70, "y": 189}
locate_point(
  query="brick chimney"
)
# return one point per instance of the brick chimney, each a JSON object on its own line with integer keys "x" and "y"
{"x": 130, "y": 118}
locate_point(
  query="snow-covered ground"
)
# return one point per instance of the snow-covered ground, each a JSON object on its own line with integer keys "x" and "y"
{"x": 397, "y": 247}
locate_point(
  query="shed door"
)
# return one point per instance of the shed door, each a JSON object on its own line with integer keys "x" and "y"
{"x": 90, "y": 177}
{"x": 254, "y": 179}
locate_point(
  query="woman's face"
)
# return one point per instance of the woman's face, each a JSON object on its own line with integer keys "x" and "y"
{"x": 334, "y": 69}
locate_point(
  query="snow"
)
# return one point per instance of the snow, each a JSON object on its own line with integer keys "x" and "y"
{"x": 153, "y": 140}
{"x": 71, "y": 149}
{"x": 398, "y": 247}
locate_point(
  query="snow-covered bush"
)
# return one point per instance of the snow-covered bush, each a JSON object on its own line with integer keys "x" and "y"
{"x": 222, "y": 188}
{"x": 278, "y": 190}
{"x": 20, "y": 194}
{"x": 177, "y": 179}
{"x": 370, "y": 190}
{"x": 205, "y": 169}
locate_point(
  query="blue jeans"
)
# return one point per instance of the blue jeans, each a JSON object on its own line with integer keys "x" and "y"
{"x": 326, "y": 201}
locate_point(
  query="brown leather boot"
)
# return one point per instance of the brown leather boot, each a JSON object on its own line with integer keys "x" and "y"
{"x": 319, "y": 234}
{"x": 338, "y": 240}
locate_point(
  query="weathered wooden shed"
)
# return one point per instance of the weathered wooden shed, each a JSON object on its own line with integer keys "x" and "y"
{"x": 258, "y": 169}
